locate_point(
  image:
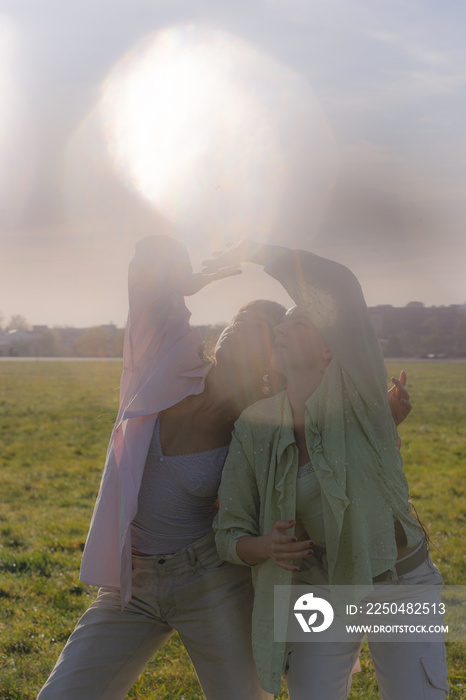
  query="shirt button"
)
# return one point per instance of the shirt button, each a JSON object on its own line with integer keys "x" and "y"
{"x": 161, "y": 459}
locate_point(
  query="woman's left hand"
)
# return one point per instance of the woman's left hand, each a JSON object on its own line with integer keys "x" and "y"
{"x": 193, "y": 283}
{"x": 398, "y": 399}
{"x": 244, "y": 251}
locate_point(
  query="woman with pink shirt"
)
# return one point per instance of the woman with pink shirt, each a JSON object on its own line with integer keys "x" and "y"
{"x": 150, "y": 546}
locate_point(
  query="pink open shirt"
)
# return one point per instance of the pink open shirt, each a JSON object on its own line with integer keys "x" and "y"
{"x": 161, "y": 366}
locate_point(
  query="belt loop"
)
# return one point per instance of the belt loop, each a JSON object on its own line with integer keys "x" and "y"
{"x": 394, "y": 574}
{"x": 192, "y": 556}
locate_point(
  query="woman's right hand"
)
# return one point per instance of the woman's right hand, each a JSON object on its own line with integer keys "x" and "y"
{"x": 277, "y": 545}
{"x": 284, "y": 548}
{"x": 244, "y": 251}
{"x": 193, "y": 283}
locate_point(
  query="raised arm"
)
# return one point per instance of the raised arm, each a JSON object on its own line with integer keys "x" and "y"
{"x": 156, "y": 307}
{"x": 327, "y": 291}
{"x": 158, "y": 329}
{"x": 332, "y": 298}
{"x": 160, "y": 275}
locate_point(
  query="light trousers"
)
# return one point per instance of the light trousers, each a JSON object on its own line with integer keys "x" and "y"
{"x": 404, "y": 670}
{"x": 209, "y": 603}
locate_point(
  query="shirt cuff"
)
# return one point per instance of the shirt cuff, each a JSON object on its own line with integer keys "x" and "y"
{"x": 226, "y": 546}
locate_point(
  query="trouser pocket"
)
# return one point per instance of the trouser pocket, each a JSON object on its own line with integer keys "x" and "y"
{"x": 436, "y": 673}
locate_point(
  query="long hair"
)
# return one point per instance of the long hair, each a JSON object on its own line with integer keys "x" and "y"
{"x": 274, "y": 312}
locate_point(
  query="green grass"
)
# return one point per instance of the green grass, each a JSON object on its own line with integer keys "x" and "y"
{"x": 55, "y": 420}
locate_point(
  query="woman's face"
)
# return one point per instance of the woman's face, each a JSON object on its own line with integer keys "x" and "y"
{"x": 298, "y": 345}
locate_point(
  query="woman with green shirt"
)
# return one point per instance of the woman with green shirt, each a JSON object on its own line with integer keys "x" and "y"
{"x": 317, "y": 469}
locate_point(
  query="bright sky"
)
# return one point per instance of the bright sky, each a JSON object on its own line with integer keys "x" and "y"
{"x": 334, "y": 125}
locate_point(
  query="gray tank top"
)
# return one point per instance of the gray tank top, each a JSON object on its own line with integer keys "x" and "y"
{"x": 176, "y": 499}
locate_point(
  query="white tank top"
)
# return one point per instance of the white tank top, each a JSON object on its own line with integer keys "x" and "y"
{"x": 309, "y": 505}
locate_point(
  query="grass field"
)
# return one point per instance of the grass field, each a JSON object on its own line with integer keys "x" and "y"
{"x": 55, "y": 420}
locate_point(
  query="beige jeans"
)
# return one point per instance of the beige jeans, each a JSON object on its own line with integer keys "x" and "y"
{"x": 209, "y": 603}
{"x": 405, "y": 671}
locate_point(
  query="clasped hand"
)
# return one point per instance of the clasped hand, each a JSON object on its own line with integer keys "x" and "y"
{"x": 283, "y": 548}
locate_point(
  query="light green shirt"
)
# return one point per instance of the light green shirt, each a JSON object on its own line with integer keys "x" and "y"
{"x": 352, "y": 444}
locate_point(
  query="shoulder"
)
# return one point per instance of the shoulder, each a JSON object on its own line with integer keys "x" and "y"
{"x": 263, "y": 415}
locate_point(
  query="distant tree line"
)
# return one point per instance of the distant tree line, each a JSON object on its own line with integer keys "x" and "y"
{"x": 416, "y": 330}
{"x": 41, "y": 341}
{"x": 19, "y": 339}
{"x": 411, "y": 331}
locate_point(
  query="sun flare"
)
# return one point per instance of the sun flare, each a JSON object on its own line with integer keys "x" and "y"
{"x": 206, "y": 128}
